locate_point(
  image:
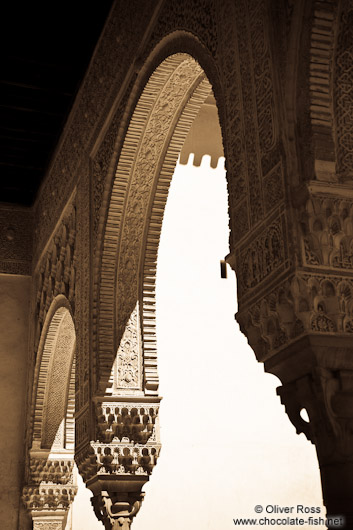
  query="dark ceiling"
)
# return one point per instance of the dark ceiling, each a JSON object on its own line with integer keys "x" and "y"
{"x": 45, "y": 51}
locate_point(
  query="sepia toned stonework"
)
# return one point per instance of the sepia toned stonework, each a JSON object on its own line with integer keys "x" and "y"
{"x": 280, "y": 76}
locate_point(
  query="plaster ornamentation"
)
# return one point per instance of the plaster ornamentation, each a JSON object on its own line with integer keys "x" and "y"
{"x": 273, "y": 185}
{"x": 50, "y": 485}
{"x": 119, "y": 459}
{"x": 278, "y": 305}
{"x": 197, "y": 17}
{"x": 54, "y": 391}
{"x": 134, "y": 421}
{"x": 41, "y": 525}
{"x": 59, "y": 372}
{"x": 251, "y": 140}
{"x": 233, "y": 135}
{"x": 82, "y": 295}
{"x": 128, "y": 364}
{"x": 305, "y": 303}
{"x": 121, "y": 43}
{"x": 165, "y": 97}
{"x": 344, "y": 93}
{"x": 55, "y": 274}
{"x": 327, "y": 232}
{"x": 266, "y": 254}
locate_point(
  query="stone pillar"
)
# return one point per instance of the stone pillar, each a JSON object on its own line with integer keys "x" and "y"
{"x": 50, "y": 490}
{"x": 326, "y": 393}
{"x": 300, "y": 324}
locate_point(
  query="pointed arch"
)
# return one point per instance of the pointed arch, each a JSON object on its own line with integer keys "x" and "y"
{"x": 164, "y": 113}
{"x": 53, "y": 398}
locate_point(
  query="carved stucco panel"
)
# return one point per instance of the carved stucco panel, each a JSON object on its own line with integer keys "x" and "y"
{"x": 344, "y": 93}
{"x": 55, "y": 274}
{"x": 41, "y": 525}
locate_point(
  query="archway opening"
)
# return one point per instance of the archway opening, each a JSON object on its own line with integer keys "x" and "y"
{"x": 159, "y": 125}
{"x": 51, "y": 477}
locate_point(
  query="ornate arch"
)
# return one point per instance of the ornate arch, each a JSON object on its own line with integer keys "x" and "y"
{"x": 158, "y": 127}
{"x": 50, "y": 485}
{"x": 127, "y": 400}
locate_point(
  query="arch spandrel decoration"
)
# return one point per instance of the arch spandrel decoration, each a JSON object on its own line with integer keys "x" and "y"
{"x": 127, "y": 401}
{"x": 50, "y": 480}
{"x": 164, "y": 101}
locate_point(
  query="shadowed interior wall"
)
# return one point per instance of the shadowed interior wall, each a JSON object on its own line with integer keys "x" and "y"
{"x": 14, "y": 307}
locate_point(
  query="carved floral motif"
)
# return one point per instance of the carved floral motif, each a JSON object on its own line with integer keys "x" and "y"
{"x": 56, "y": 272}
{"x": 344, "y": 92}
{"x": 128, "y": 362}
{"x": 264, "y": 255}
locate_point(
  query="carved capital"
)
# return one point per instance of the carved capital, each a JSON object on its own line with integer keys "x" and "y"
{"x": 118, "y": 459}
{"x": 123, "y": 420}
{"x": 116, "y": 510}
{"x": 51, "y": 487}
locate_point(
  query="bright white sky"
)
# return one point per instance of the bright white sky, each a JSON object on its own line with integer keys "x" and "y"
{"x": 227, "y": 444}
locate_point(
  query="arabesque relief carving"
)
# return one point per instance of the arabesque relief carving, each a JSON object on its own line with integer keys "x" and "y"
{"x": 306, "y": 303}
{"x": 56, "y": 272}
{"x": 265, "y": 254}
{"x": 128, "y": 364}
{"x": 344, "y": 92}
{"x": 327, "y": 230}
